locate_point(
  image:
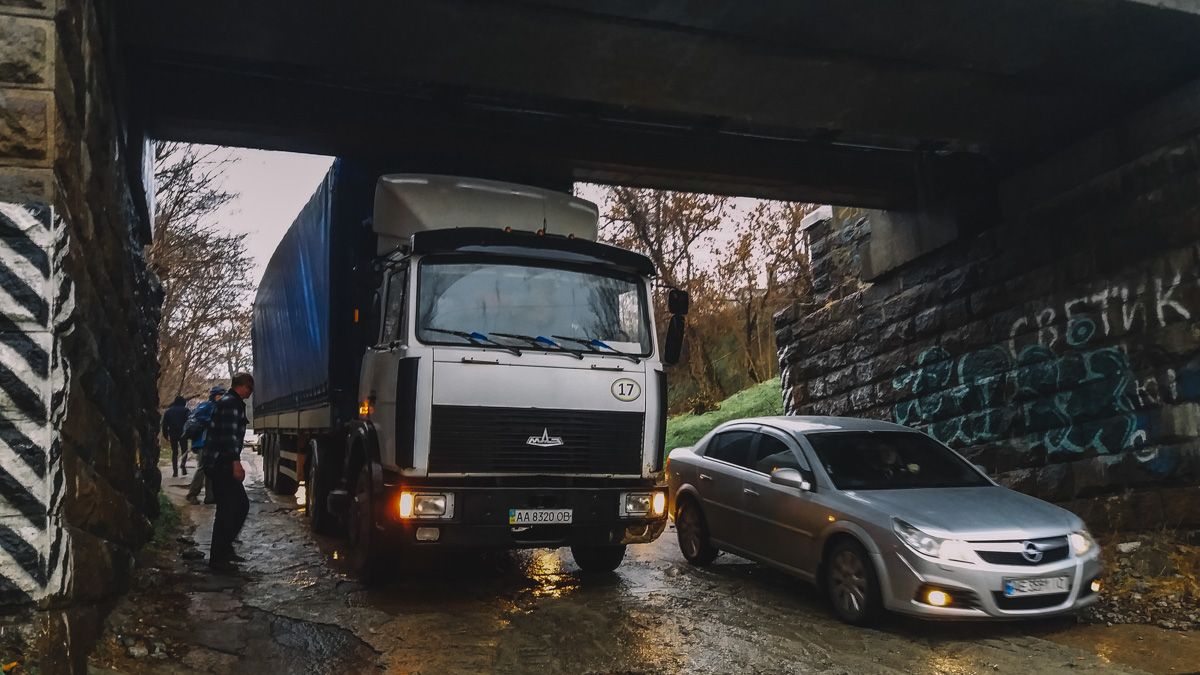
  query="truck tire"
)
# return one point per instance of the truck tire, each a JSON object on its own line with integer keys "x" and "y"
{"x": 268, "y": 468}
{"x": 598, "y": 559}
{"x": 281, "y": 483}
{"x": 317, "y": 486}
{"x": 368, "y": 554}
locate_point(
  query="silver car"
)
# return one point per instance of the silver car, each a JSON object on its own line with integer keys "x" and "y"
{"x": 878, "y": 516}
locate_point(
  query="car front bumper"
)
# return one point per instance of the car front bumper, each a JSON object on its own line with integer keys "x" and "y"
{"x": 977, "y": 590}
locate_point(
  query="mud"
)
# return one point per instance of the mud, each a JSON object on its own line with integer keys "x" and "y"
{"x": 293, "y": 610}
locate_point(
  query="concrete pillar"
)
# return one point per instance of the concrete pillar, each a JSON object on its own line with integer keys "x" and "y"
{"x": 77, "y": 312}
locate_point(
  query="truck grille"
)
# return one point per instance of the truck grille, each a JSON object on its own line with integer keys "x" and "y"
{"x": 470, "y": 439}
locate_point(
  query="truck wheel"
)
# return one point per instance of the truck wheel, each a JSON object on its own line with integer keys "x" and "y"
{"x": 693, "y": 534}
{"x": 598, "y": 559}
{"x": 316, "y": 490}
{"x": 368, "y": 554}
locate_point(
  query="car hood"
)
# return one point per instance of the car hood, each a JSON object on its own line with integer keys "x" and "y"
{"x": 988, "y": 513}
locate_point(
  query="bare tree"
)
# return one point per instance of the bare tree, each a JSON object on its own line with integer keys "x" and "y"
{"x": 205, "y": 326}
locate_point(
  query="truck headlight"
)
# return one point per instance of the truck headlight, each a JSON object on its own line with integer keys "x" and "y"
{"x": 635, "y": 504}
{"x": 425, "y": 505}
{"x": 1081, "y": 542}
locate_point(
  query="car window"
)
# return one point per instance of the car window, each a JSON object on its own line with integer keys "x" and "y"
{"x": 732, "y": 447}
{"x": 772, "y": 453}
{"x": 890, "y": 460}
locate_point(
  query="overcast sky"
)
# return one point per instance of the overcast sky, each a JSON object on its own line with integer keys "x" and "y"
{"x": 273, "y": 186}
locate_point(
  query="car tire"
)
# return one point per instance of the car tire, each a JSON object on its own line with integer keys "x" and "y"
{"x": 598, "y": 559}
{"x": 316, "y": 491}
{"x": 851, "y": 584}
{"x": 692, "y": 531}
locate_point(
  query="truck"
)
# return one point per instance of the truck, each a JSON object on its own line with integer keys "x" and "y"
{"x": 457, "y": 363}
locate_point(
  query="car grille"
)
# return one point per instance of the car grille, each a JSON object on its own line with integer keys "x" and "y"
{"x": 1054, "y": 549}
{"x": 1029, "y": 602}
{"x": 472, "y": 439}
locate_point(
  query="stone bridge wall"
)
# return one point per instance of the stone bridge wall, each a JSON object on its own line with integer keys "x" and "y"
{"x": 77, "y": 324}
{"x": 1062, "y": 352}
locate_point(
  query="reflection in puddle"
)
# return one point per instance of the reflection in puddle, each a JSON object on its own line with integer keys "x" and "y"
{"x": 300, "y": 497}
{"x": 545, "y": 569}
{"x": 949, "y": 665}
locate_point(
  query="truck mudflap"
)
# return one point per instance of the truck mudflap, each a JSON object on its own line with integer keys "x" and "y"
{"x": 492, "y": 518}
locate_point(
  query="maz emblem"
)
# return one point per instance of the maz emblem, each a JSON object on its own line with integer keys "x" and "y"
{"x": 545, "y": 440}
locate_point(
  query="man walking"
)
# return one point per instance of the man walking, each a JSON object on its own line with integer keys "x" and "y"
{"x": 173, "y": 419}
{"x": 197, "y": 430}
{"x": 222, "y": 462}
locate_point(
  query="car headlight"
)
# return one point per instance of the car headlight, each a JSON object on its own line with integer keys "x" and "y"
{"x": 1081, "y": 542}
{"x": 927, "y": 544}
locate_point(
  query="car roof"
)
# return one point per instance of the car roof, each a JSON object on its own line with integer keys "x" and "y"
{"x": 802, "y": 424}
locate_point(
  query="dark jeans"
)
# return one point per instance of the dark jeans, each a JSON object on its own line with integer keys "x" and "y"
{"x": 232, "y": 507}
{"x": 179, "y": 454}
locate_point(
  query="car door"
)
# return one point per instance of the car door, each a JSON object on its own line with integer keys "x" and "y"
{"x": 781, "y": 522}
{"x": 719, "y": 481}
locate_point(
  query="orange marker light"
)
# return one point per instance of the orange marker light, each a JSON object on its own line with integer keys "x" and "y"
{"x": 364, "y": 408}
{"x": 355, "y": 315}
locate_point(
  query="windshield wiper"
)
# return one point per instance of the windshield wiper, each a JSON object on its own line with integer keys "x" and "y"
{"x": 594, "y": 345}
{"x": 476, "y": 338}
{"x": 542, "y": 342}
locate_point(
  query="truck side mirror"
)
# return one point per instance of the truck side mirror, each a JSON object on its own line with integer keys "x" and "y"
{"x": 678, "y": 302}
{"x": 674, "y": 346}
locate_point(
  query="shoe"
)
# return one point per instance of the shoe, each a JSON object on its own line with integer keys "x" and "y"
{"x": 185, "y": 472}
{"x": 193, "y": 500}
{"x": 209, "y": 501}
{"x": 235, "y": 558}
{"x": 223, "y": 566}
{"x": 175, "y": 474}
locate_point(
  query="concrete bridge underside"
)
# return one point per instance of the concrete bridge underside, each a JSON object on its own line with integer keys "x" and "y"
{"x": 864, "y": 102}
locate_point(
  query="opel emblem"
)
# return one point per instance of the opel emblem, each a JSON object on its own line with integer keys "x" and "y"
{"x": 1031, "y": 552}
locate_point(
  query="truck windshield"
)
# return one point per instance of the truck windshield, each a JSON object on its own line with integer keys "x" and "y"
{"x": 495, "y": 298}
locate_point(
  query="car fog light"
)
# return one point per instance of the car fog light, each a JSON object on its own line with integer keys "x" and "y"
{"x": 1095, "y": 585}
{"x": 659, "y": 504}
{"x": 428, "y": 534}
{"x": 937, "y": 598}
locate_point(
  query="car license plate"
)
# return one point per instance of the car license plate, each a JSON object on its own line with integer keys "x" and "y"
{"x": 1015, "y": 588}
{"x": 539, "y": 516}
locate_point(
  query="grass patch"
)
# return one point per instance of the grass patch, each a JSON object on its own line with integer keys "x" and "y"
{"x": 167, "y": 521}
{"x": 762, "y": 399}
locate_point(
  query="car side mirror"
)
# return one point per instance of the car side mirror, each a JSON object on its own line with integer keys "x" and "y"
{"x": 678, "y": 302}
{"x": 790, "y": 478}
{"x": 673, "y": 348}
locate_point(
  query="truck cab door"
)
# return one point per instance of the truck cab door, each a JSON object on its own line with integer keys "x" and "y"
{"x": 383, "y": 366}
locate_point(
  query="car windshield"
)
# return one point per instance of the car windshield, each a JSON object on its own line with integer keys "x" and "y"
{"x": 501, "y": 301}
{"x": 891, "y": 460}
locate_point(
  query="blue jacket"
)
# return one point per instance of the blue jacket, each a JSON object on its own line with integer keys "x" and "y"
{"x": 202, "y": 419}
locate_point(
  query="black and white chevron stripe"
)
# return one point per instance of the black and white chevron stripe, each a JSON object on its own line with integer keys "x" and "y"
{"x": 36, "y": 303}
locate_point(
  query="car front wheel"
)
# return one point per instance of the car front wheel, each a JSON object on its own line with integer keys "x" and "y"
{"x": 692, "y": 532}
{"x": 852, "y": 585}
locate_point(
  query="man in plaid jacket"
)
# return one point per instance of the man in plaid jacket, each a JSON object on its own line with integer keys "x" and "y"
{"x": 222, "y": 464}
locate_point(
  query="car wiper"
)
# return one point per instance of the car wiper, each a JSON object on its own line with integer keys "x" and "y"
{"x": 542, "y": 342}
{"x": 476, "y": 338}
{"x": 594, "y": 345}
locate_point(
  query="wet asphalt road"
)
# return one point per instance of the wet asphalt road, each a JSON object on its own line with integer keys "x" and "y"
{"x": 293, "y": 610}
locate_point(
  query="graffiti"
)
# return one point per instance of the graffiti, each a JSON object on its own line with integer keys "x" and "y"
{"x": 1074, "y": 401}
{"x": 36, "y": 302}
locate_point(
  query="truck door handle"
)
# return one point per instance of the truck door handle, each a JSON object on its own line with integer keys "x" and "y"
{"x": 705, "y": 476}
{"x": 750, "y": 492}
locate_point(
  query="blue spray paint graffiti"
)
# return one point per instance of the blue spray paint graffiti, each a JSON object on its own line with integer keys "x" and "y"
{"x": 1072, "y": 402}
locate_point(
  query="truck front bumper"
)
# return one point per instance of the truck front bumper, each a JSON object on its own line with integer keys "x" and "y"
{"x": 480, "y": 518}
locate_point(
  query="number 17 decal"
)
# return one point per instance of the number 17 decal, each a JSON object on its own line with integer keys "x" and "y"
{"x": 626, "y": 389}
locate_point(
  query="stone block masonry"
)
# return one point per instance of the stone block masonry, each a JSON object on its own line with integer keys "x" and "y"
{"x": 1060, "y": 350}
{"x": 78, "y": 319}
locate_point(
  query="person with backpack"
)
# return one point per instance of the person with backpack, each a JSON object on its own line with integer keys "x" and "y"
{"x": 196, "y": 429}
{"x": 173, "y": 420}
